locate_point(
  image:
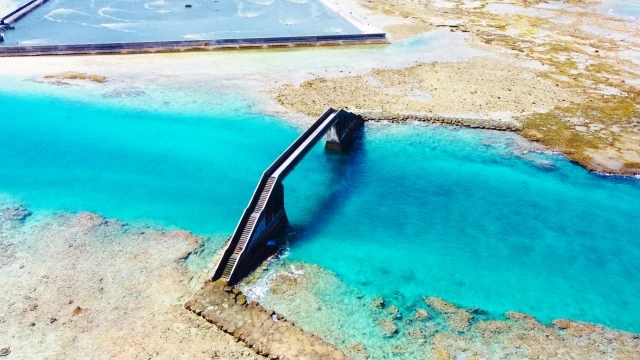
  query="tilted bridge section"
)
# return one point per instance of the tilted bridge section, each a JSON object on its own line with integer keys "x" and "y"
{"x": 265, "y": 215}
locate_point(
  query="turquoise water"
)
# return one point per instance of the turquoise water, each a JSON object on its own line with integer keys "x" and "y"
{"x": 626, "y": 9}
{"x": 183, "y": 171}
{"x": 421, "y": 211}
{"x": 102, "y": 21}
{"x": 413, "y": 211}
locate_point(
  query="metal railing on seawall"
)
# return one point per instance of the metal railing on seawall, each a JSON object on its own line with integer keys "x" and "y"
{"x": 192, "y": 45}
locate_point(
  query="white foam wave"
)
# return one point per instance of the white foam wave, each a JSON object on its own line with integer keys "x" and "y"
{"x": 262, "y": 2}
{"x": 213, "y": 34}
{"x": 66, "y": 15}
{"x": 34, "y": 42}
{"x": 111, "y": 13}
{"x": 251, "y": 11}
{"x": 161, "y": 6}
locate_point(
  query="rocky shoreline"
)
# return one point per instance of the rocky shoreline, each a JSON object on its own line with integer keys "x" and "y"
{"x": 266, "y": 332}
{"x": 431, "y": 327}
{"x": 473, "y": 123}
{"x": 79, "y": 286}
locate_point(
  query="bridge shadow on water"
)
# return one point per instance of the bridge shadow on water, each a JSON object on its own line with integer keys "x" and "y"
{"x": 343, "y": 171}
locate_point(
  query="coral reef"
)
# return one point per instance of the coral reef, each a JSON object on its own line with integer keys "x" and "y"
{"x": 438, "y": 329}
{"x": 66, "y": 279}
{"x": 266, "y": 332}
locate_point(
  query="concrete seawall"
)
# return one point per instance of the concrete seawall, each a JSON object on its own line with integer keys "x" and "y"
{"x": 194, "y": 45}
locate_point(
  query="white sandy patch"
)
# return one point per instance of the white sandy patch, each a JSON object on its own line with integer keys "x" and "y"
{"x": 353, "y": 13}
{"x": 611, "y": 34}
{"x": 633, "y": 55}
{"x": 444, "y": 4}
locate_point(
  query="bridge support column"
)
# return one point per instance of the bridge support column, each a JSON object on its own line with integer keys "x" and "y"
{"x": 340, "y": 135}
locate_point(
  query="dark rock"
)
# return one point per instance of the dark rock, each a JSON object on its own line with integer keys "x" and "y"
{"x": 5, "y": 351}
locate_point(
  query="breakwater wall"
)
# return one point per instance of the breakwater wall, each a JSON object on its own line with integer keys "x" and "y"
{"x": 266, "y": 332}
{"x": 194, "y": 45}
{"x": 21, "y": 12}
{"x": 489, "y": 124}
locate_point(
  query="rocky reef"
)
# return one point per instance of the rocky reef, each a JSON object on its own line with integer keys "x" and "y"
{"x": 428, "y": 328}
{"x": 266, "y": 332}
{"x": 80, "y": 286}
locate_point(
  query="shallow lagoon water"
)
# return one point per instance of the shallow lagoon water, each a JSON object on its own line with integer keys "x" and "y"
{"x": 413, "y": 211}
{"x": 108, "y": 21}
{"x": 625, "y": 9}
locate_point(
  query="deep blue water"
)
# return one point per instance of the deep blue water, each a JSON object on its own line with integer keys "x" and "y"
{"x": 419, "y": 210}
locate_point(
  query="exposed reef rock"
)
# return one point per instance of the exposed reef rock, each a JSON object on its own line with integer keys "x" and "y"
{"x": 79, "y": 286}
{"x": 266, "y": 332}
{"x": 421, "y": 314}
{"x": 459, "y": 319}
{"x": 474, "y": 123}
{"x": 439, "y": 329}
{"x": 72, "y": 75}
{"x": 388, "y": 327}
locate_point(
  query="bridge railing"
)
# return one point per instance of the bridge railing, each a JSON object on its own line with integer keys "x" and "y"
{"x": 260, "y": 188}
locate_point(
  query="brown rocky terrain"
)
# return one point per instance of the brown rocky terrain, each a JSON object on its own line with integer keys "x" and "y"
{"x": 79, "y": 286}
{"x": 563, "y": 74}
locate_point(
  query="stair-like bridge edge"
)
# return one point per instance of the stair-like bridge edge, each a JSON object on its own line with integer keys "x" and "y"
{"x": 276, "y": 172}
{"x": 233, "y": 242}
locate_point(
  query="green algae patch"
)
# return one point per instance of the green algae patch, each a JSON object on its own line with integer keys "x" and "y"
{"x": 78, "y": 76}
{"x": 600, "y": 134}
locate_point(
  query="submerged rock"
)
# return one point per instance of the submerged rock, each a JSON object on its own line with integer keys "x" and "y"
{"x": 14, "y": 213}
{"x": 492, "y": 327}
{"x": 440, "y": 305}
{"x": 358, "y": 350}
{"x": 460, "y": 320}
{"x": 395, "y": 313}
{"x": 457, "y": 318}
{"x": 417, "y": 334}
{"x": 421, "y": 314}
{"x": 388, "y": 327}
{"x": 378, "y": 303}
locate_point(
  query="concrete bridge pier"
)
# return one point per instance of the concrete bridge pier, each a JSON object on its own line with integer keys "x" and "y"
{"x": 340, "y": 135}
